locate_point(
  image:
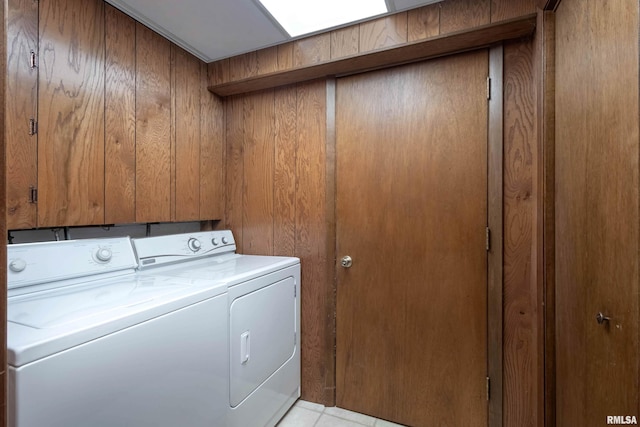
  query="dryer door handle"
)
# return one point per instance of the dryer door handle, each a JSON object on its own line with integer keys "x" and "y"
{"x": 245, "y": 347}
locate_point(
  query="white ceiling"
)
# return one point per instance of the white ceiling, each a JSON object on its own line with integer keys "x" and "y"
{"x": 217, "y": 29}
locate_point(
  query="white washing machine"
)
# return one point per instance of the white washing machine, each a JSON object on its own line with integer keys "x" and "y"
{"x": 92, "y": 344}
{"x": 263, "y": 316}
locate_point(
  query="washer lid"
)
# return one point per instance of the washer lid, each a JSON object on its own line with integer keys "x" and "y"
{"x": 44, "y": 323}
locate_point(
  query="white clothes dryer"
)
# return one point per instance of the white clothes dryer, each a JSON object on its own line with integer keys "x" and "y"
{"x": 263, "y": 317}
{"x": 92, "y": 344}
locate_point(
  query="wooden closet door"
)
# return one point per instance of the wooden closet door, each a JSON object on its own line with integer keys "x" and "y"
{"x": 411, "y": 213}
{"x": 597, "y": 215}
{"x": 71, "y": 113}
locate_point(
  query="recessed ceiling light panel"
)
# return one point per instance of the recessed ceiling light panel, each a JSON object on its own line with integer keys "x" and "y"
{"x": 300, "y": 17}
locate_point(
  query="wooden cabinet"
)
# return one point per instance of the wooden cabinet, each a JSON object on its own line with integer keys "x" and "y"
{"x": 126, "y": 129}
{"x": 21, "y": 91}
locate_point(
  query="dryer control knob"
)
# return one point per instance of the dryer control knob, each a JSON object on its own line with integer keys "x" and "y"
{"x": 17, "y": 265}
{"x": 194, "y": 244}
{"x": 104, "y": 254}
{"x": 214, "y": 241}
{"x": 225, "y": 240}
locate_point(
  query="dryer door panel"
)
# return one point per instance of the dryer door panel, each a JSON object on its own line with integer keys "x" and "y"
{"x": 263, "y": 328}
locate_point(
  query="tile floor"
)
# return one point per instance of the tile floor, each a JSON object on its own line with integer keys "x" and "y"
{"x": 307, "y": 414}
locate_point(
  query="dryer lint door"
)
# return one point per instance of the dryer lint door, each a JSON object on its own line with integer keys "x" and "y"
{"x": 262, "y": 333}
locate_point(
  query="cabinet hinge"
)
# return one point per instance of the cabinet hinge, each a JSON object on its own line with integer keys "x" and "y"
{"x": 33, "y": 194}
{"x": 32, "y": 60}
{"x": 488, "y": 388}
{"x": 33, "y": 126}
{"x": 489, "y": 88}
{"x": 487, "y": 239}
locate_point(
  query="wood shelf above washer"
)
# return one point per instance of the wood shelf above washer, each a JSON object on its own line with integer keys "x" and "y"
{"x": 409, "y": 52}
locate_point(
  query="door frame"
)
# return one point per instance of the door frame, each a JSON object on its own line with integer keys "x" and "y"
{"x": 495, "y": 203}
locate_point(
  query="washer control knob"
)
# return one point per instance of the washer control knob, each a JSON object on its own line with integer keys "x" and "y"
{"x": 194, "y": 244}
{"x": 214, "y": 241}
{"x": 104, "y": 254}
{"x": 225, "y": 240}
{"x": 17, "y": 265}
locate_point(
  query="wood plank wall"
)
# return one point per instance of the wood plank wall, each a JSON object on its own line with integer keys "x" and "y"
{"x": 263, "y": 222}
{"x": 276, "y": 204}
{"x": 3, "y": 219}
{"x": 394, "y": 30}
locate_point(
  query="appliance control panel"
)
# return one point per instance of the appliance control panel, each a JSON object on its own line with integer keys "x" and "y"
{"x": 161, "y": 250}
{"x": 37, "y": 263}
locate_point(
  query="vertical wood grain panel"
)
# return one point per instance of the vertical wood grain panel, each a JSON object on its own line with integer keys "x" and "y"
{"x": 522, "y": 300}
{"x": 120, "y": 117}
{"x": 285, "y": 56}
{"x": 212, "y": 138}
{"x": 284, "y": 185}
{"x": 234, "y": 181}
{"x": 345, "y": 42}
{"x": 456, "y": 15}
{"x": 218, "y": 72}
{"x": 545, "y": 46}
{"x": 311, "y": 239}
{"x": 312, "y": 50}
{"x": 259, "y": 140}
{"x": 71, "y": 113}
{"x": 172, "y": 131}
{"x": 22, "y": 86}
{"x": 501, "y": 10}
{"x": 596, "y": 211}
{"x": 3, "y": 214}
{"x": 187, "y": 145}
{"x": 153, "y": 117}
{"x": 495, "y": 222}
{"x": 267, "y": 60}
{"x": 383, "y": 32}
{"x": 243, "y": 66}
{"x": 423, "y": 22}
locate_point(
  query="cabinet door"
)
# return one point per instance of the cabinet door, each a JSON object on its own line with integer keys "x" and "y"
{"x": 22, "y": 81}
{"x": 120, "y": 117}
{"x": 187, "y": 136}
{"x": 153, "y": 118}
{"x": 71, "y": 113}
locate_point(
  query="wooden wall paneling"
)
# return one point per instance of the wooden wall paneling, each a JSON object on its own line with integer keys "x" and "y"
{"x": 311, "y": 243}
{"x": 312, "y": 50}
{"x": 330, "y": 226}
{"x": 495, "y": 178}
{"x": 267, "y": 60}
{"x": 285, "y": 56}
{"x": 3, "y": 213}
{"x": 120, "y": 117}
{"x": 258, "y": 156}
{"x": 172, "y": 131}
{"x": 596, "y": 211}
{"x": 456, "y": 15}
{"x": 383, "y": 32}
{"x": 243, "y": 66}
{"x": 212, "y": 143}
{"x": 423, "y": 22}
{"x": 153, "y": 126}
{"x": 22, "y": 87}
{"x": 284, "y": 181}
{"x": 218, "y": 72}
{"x": 501, "y": 10}
{"x": 345, "y": 41}
{"x": 234, "y": 181}
{"x": 522, "y": 293}
{"x": 460, "y": 41}
{"x": 71, "y": 113}
{"x": 187, "y": 140}
{"x": 545, "y": 85}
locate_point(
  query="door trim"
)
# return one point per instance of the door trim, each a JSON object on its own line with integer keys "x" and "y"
{"x": 495, "y": 223}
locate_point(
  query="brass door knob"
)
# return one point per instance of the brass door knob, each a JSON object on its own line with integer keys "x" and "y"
{"x": 346, "y": 261}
